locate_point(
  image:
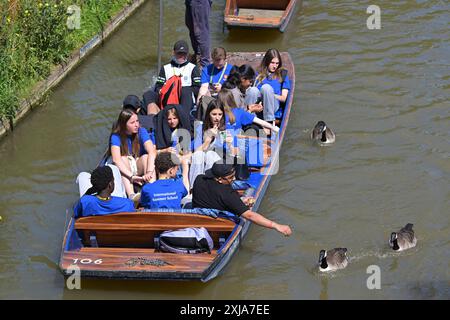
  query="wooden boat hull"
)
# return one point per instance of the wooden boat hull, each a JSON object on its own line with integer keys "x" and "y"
{"x": 259, "y": 13}
{"x": 120, "y": 246}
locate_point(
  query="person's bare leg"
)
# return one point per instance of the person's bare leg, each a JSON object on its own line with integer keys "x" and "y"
{"x": 141, "y": 163}
{"x": 126, "y": 182}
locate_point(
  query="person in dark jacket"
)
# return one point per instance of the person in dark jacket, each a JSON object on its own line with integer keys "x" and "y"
{"x": 189, "y": 73}
{"x": 167, "y": 124}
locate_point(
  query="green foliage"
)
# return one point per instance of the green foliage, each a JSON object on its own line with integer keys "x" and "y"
{"x": 34, "y": 36}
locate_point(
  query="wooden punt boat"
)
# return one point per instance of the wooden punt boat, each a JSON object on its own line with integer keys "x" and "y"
{"x": 122, "y": 245}
{"x": 259, "y": 13}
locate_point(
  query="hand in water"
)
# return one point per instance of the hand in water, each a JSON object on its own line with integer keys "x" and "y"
{"x": 284, "y": 229}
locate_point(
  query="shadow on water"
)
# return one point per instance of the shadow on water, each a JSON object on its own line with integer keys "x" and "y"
{"x": 106, "y": 288}
{"x": 324, "y": 289}
{"x": 253, "y": 36}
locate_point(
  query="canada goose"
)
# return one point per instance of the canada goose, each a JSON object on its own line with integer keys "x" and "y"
{"x": 322, "y": 133}
{"x": 333, "y": 259}
{"x": 403, "y": 239}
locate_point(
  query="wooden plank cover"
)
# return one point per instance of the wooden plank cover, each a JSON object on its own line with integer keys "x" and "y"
{"x": 115, "y": 260}
{"x": 152, "y": 221}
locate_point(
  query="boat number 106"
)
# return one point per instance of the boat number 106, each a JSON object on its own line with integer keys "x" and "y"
{"x": 87, "y": 261}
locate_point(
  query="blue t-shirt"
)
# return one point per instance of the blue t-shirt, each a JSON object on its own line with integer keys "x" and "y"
{"x": 164, "y": 193}
{"x": 276, "y": 84}
{"x": 92, "y": 206}
{"x": 143, "y": 138}
{"x": 242, "y": 118}
{"x": 211, "y": 74}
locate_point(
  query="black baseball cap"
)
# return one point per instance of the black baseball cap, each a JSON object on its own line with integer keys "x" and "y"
{"x": 219, "y": 170}
{"x": 132, "y": 102}
{"x": 181, "y": 46}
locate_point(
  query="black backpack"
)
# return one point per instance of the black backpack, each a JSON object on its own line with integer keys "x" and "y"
{"x": 188, "y": 240}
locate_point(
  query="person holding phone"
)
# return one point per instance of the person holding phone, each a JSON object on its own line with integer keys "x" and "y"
{"x": 209, "y": 140}
{"x": 215, "y": 74}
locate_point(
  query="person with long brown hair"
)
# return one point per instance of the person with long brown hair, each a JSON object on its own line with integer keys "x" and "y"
{"x": 132, "y": 151}
{"x": 273, "y": 83}
{"x": 235, "y": 117}
{"x": 172, "y": 124}
{"x": 209, "y": 139}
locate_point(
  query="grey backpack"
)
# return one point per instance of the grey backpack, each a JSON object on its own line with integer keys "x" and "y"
{"x": 189, "y": 240}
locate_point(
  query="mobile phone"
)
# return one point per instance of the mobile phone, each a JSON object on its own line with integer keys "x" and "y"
{"x": 259, "y": 100}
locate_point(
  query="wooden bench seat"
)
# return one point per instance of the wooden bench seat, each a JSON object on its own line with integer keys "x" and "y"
{"x": 138, "y": 229}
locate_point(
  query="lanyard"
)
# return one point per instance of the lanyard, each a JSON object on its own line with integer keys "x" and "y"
{"x": 221, "y": 76}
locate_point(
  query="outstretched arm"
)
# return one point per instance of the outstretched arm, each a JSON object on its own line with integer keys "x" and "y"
{"x": 265, "y": 124}
{"x": 264, "y": 222}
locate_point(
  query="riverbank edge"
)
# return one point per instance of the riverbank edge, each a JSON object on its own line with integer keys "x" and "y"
{"x": 60, "y": 72}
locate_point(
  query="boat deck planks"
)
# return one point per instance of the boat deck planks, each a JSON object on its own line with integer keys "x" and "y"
{"x": 117, "y": 258}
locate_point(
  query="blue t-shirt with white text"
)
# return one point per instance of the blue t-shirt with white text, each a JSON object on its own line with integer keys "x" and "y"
{"x": 163, "y": 193}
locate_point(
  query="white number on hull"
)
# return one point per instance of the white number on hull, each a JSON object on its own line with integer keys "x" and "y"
{"x": 87, "y": 261}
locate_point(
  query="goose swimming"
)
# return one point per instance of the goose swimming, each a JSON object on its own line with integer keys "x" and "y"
{"x": 322, "y": 133}
{"x": 333, "y": 259}
{"x": 403, "y": 239}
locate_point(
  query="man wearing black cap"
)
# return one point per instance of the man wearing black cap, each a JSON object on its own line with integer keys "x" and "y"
{"x": 213, "y": 190}
{"x": 189, "y": 73}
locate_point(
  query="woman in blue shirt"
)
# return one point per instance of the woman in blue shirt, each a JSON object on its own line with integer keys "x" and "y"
{"x": 273, "y": 83}
{"x": 235, "y": 117}
{"x": 132, "y": 151}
